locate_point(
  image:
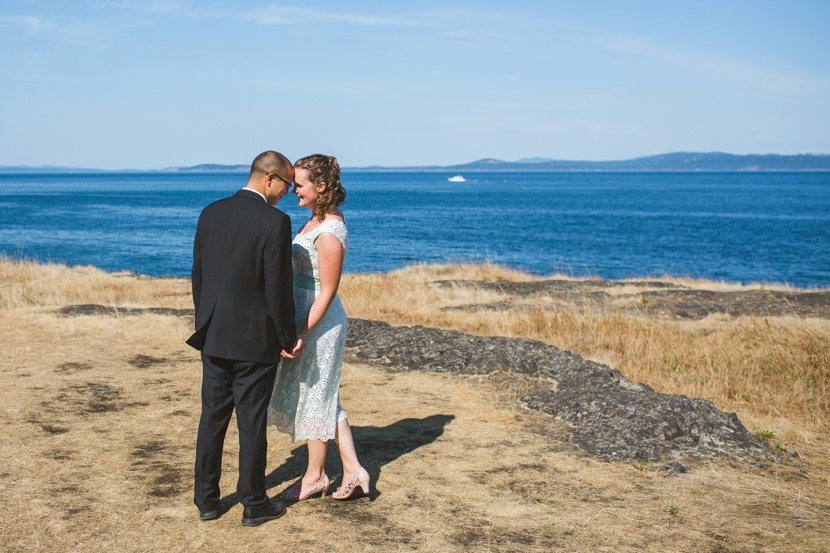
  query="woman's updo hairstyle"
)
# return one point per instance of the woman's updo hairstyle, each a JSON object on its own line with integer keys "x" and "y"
{"x": 324, "y": 169}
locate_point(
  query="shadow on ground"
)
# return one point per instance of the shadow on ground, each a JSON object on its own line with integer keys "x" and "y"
{"x": 376, "y": 446}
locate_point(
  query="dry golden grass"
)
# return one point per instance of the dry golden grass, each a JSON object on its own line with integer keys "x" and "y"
{"x": 24, "y": 284}
{"x": 100, "y": 417}
{"x": 766, "y": 369}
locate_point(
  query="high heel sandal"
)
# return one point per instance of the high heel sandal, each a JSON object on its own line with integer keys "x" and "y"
{"x": 360, "y": 481}
{"x": 294, "y": 493}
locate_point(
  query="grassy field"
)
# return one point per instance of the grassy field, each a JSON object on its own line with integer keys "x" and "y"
{"x": 99, "y": 423}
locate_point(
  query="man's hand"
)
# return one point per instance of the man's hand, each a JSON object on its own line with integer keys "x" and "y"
{"x": 296, "y": 350}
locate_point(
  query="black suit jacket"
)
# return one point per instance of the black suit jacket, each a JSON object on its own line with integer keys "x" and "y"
{"x": 242, "y": 280}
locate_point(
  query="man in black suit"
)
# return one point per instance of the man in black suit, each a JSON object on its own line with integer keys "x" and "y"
{"x": 243, "y": 294}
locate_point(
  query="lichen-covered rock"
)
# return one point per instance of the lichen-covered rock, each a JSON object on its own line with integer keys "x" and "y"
{"x": 660, "y": 298}
{"x": 608, "y": 416}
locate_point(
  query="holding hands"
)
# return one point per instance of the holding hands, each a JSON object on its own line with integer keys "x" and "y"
{"x": 296, "y": 350}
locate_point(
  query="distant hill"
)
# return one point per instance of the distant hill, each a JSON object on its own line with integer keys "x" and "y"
{"x": 203, "y": 168}
{"x": 210, "y": 168}
{"x": 678, "y": 161}
{"x": 673, "y": 162}
{"x": 44, "y": 169}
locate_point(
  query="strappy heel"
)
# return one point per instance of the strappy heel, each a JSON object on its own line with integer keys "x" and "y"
{"x": 294, "y": 492}
{"x": 360, "y": 481}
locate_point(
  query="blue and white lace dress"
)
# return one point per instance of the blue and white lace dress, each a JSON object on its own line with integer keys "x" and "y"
{"x": 306, "y": 398}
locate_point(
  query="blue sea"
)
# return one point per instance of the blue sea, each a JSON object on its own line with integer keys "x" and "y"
{"x": 736, "y": 227}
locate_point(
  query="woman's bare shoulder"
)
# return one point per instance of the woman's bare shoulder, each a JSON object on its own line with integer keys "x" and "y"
{"x": 335, "y": 215}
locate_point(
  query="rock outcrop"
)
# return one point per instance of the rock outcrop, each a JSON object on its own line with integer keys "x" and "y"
{"x": 660, "y": 298}
{"x": 607, "y": 416}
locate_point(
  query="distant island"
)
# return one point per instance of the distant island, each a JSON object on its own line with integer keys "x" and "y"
{"x": 672, "y": 162}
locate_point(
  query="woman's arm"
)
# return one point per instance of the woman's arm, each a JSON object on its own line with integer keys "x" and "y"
{"x": 330, "y": 267}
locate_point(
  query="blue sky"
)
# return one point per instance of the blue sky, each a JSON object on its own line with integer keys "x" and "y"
{"x": 152, "y": 84}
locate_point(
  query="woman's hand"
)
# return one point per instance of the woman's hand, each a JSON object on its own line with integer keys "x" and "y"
{"x": 296, "y": 350}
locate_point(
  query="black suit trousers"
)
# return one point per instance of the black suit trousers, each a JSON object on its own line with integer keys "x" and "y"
{"x": 246, "y": 386}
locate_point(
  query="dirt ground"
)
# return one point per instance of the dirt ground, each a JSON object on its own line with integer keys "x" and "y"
{"x": 98, "y": 433}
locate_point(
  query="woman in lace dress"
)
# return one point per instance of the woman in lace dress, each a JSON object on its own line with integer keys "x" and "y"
{"x": 306, "y": 398}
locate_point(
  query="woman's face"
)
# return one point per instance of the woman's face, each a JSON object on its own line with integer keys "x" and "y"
{"x": 305, "y": 190}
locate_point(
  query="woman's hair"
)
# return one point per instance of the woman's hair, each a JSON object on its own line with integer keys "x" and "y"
{"x": 324, "y": 169}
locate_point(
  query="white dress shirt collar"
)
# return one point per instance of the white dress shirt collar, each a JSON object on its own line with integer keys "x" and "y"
{"x": 261, "y": 195}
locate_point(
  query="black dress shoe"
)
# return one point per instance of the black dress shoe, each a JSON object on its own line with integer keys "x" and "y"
{"x": 213, "y": 514}
{"x": 254, "y": 517}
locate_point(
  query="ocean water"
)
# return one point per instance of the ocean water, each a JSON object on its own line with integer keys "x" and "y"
{"x": 737, "y": 227}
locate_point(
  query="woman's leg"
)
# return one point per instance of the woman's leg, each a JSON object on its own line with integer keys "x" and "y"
{"x": 355, "y": 476}
{"x": 345, "y": 444}
{"x": 316, "y": 463}
{"x": 314, "y": 481}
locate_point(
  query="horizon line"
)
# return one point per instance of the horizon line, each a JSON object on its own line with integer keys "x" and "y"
{"x": 536, "y": 160}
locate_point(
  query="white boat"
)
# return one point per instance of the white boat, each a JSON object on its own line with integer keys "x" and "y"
{"x": 457, "y": 178}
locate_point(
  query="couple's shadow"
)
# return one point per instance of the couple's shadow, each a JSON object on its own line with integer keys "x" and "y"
{"x": 376, "y": 446}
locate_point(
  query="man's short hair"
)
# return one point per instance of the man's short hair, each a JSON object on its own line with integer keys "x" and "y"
{"x": 269, "y": 162}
